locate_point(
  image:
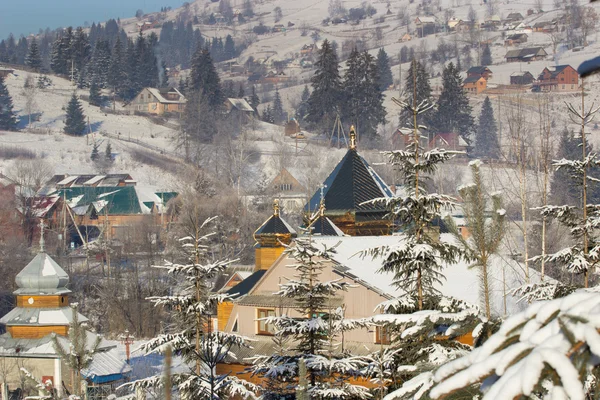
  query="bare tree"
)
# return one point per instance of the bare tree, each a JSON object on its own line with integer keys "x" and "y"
{"x": 29, "y": 92}
{"x": 539, "y": 5}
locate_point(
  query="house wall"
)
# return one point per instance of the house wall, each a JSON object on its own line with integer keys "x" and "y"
{"x": 116, "y": 221}
{"x": 359, "y": 302}
{"x": 38, "y": 367}
{"x": 36, "y": 332}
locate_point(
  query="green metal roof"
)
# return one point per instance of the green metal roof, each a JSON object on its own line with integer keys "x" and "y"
{"x": 118, "y": 200}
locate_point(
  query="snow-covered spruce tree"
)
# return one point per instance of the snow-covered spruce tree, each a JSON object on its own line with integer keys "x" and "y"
{"x": 95, "y": 94}
{"x": 416, "y": 262}
{"x": 486, "y": 137}
{"x": 8, "y": 119}
{"x": 486, "y": 228}
{"x": 551, "y": 351}
{"x": 315, "y": 336}
{"x": 75, "y": 121}
{"x": 416, "y": 80}
{"x": 79, "y": 355}
{"x": 192, "y": 304}
{"x": 583, "y": 256}
{"x": 279, "y": 115}
{"x": 384, "y": 71}
{"x": 34, "y": 59}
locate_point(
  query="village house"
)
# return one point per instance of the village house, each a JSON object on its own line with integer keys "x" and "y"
{"x": 474, "y": 84}
{"x": 308, "y": 50}
{"x": 545, "y": 26}
{"x": 526, "y": 55}
{"x": 448, "y": 141}
{"x": 405, "y": 38}
{"x": 402, "y": 137}
{"x": 514, "y": 17}
{"x": 479, "y": 72}
{"x": 158, "y": 101}
{"x": 515, "y": 39}
{"x": 42, "y": 311}
{"x": 4, "y": 71}
{"x": 112, "y": 203}
{"x": 425, "y": 25}
{"x": 292, "y": 194}
{"x": 452, "y": 23}
{"x": 521, "y": 78}
{"x": 560, "y": 78}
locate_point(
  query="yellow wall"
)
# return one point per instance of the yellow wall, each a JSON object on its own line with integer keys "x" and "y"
{"x": 266, "y": 256}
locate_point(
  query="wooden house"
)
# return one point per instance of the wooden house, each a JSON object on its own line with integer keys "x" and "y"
{"x": 561, "y": 78}
{"x": 521, "y": 78}
{"x": 515, "y": 39}
{"x": 545, "y": 26}
{"x": 514, "y": 17}
{"x": 452, "y": 23}
{"x": 479, "y": 72}
{"x": 308, "y": 50}
{"x": 448, "y": 141}
{"x": 425, "y": 25}
{"x": 42, "y": 311}
{"x": 158, "y": 101}
{"x": 402, "y": 137}
{"x": 4, "y": 72}
{"x": 526, "y": 55}
{"x": 475, "y": 84}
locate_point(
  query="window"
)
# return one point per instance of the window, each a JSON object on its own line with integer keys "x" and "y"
{"x": 382, "y": 335}
{"x": 263, "y": 327}
{"x": 563, "y": 86}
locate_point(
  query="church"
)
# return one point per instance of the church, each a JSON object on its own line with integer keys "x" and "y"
{"x": 341, "y": 214}
{"x": 42, "y": 311}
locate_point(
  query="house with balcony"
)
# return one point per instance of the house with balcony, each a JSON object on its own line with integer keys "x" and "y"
{"x": 560, "y": 78}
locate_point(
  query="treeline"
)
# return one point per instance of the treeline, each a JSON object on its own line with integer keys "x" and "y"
{"x": 106, "y": 57}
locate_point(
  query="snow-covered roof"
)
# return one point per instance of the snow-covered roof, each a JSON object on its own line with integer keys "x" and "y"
{"x": 106, "y": 364}
{"x": 158, "y": 94}
{"x": 462, "y": 281}
{"x": 240, "y": 104}
{"x": 427, "y": 20}
{"x": 94, "y": 180}
{"x": 40, "y": 316}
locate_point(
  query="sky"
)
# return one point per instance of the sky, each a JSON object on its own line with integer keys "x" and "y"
{"x": 22, "y": 17}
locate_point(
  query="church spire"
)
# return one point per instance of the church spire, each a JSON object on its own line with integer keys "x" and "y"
{"x": 352, "y": 138}
{"x": 42, "y": 236}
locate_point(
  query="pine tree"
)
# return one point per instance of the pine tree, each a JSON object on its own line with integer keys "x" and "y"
{"x": 229, "y": 48}
{"x": 363, "y": 106}
{"x": 302, "y": 110}
{"x": 486, "y": 56}
{"x": 316, "y": 333}
{"x": 8, "y": 119}
{"x": 385, "y": 72}
{"x": 95, "y": 152}
{"x": 564, "y": 189}
{"x": 486, "y": 138}
{"x": 279, "y": 115}
{"x": 241, "y": 92}
{"x": 326, "y": 97}
{"x": 254, "y": 101}
{"x": 108, "y": 157}
{"x": 80, "y": 51}
{"x": 486, "y": 228}
{"x": 267, "y": 115}
{"x": 95, "y": 94}
{"x": 116, "y": 76}
{"x": 99, "y": 67}
{"x": 204, "y": 78}
{"x": 62, "y": 54}
{"x": 453, "y": 113}
{"x": 78, "y": 355}
{"x": 417, "y": 89}
{"x": 34, "y": 59}
{"x": 201, "y": 347}
{"x": 75, "y": 121}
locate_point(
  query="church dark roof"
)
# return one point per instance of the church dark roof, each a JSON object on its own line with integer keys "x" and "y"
{"x": 324, "y": 227}
{"x": 273, "y": 226}
{"x": 245, "y": 286}
{"x": 351, "y": 183}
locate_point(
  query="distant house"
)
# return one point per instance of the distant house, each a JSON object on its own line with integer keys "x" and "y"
{"x": 475, "y": 84}
{"x": 517, "y": 38}
{"x": 464, "y": 26}
{"x": 4, "y": 72}
{"x": 526, "y": 55}
{"x": 545, "y": 26}
{"x": 425, "y": 25}
{"x": 513, "y": 17}
{"x": 278, "y": 28}
{"x": 158, "y": 101}
{"x": 448, "y": 141}
{"x": 452, "y": 23}
{"x": 292, "y": 127}
{"x": 521, "y": 78}
{"x": 238, "y": 105}
{"x": 404, "y": 136}
{"x": 561, "y": 78}
{"x": 406, "y": 38}
{"x": 291, "y": 194}
{"x": 274, "y": 77}
{"x": 307, "y": 50}
{"x": 479, "y": 71}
